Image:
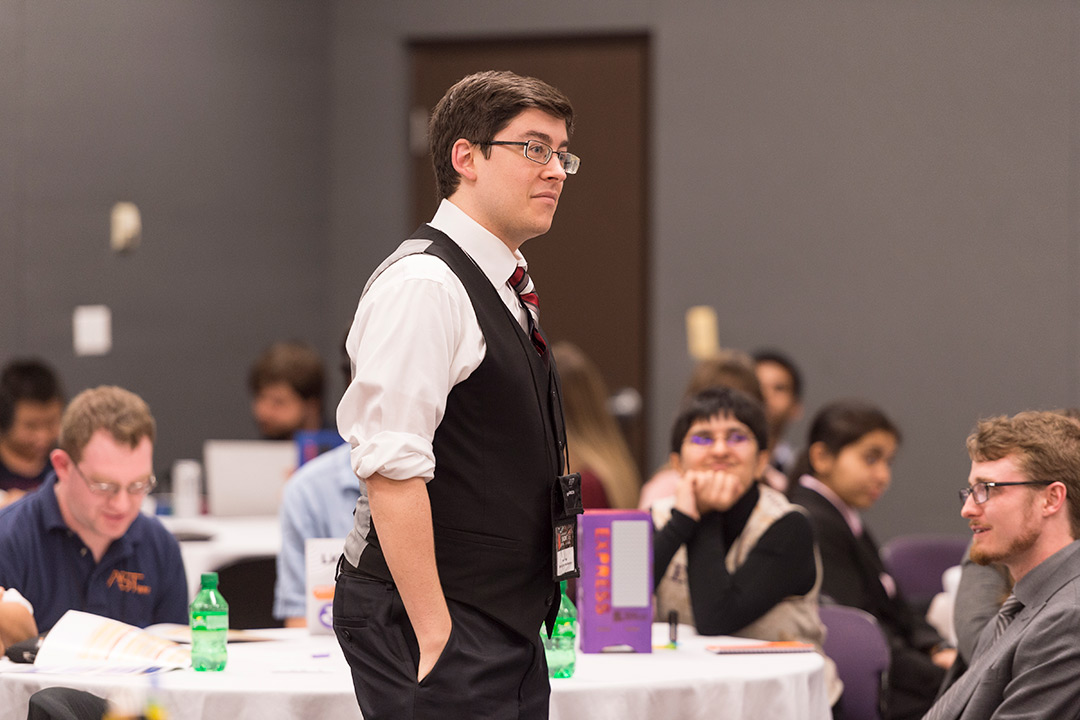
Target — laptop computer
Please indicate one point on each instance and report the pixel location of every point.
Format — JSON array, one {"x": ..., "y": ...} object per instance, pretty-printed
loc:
[{"x": 246, "y": 477}]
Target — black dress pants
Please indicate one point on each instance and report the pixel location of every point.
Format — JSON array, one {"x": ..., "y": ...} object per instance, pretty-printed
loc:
[{"x": 486, "y": 672}]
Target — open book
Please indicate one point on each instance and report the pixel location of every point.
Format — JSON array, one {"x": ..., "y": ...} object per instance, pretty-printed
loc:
[{"x": 82, "y": 642}]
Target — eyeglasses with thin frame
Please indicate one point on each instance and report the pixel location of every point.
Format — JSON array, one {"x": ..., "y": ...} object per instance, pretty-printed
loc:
[
  {"x": 138, "y": 488},
  {"x": 980, "y": 491},
  {"x": 541, "y": 153},
  {"x": 733, "y": 439}
]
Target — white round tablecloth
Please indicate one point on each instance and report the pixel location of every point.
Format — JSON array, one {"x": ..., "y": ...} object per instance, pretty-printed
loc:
[{"x": 299, "y": 677}]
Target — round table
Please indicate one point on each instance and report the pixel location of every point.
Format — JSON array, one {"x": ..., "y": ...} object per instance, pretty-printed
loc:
[{"x": 298, "y": 676}]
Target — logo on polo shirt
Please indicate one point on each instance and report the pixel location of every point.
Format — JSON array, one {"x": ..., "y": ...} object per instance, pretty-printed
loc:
[{"x": 127, "y": 581}]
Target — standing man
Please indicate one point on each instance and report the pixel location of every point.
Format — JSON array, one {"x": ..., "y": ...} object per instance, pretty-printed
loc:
[
  {"x": 1023, "y": 505},
  {"x": 454, "y": 420},
  {"x": 80, "y": 542}
]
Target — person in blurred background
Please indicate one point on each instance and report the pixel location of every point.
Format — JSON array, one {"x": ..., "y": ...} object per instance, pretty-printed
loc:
[
  {"x": 79, "y": 542},
  {"x": 845, "y": 469},
  {"x": 727, "y": 368},
  {"x": 318, "y": 501},
  {"x": 781, "y": 385},
  {"x": 286, "y": 384},
  {"x": 598, "y": 450},
  {"x": 731, "y": 555},
  {"x": 31, "y": 402}
]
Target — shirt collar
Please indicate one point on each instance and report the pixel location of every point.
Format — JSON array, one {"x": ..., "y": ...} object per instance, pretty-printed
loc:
[
  {"x": 1044, "y": 580},
  {"x": 50, "y": 506},
  {"x": 490, "y": 254},
  {"x": 851, "y": 517}
]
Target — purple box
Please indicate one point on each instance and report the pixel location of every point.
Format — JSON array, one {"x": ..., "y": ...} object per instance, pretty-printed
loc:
[{"x": 614, "y": 592}]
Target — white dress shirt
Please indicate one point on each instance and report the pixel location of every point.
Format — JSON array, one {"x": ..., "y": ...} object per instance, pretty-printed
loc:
[{"x": 415, "y": 335}]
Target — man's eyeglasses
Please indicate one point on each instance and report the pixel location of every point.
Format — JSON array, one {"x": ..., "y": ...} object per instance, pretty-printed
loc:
[
  {"x": 733, "y": 439},
  {"x": 980, "y": 491},
  {"x": 140, "y": 487},
  {"x": 540, "y": 153}
]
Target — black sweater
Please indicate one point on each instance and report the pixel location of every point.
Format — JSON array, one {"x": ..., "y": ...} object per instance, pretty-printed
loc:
[{"x": 780, "y": 565}]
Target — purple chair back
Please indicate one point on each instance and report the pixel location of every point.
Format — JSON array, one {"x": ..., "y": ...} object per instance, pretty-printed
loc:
[
  {"x": 916, "y": 563},
  {"x": 856, "y": 643}
]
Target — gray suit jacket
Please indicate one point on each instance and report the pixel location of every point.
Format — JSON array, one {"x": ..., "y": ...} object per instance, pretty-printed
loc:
[{"x": 1033, "y": 670}]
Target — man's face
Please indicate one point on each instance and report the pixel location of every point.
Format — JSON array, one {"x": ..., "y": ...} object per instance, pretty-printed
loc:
[
  {"x": 34, "y": 430},
  {"x": 515, "y": 197},
  {"x": 778, "y": 387},
  {"x": 98, "y": 518},
  {"x": 279, "y": 411},
  {"x": 721, "y": 444},
  {"x": 1006, "y": 527}
]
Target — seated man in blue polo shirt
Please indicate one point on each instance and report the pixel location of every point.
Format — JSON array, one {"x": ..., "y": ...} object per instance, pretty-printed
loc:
[
  {"x": 318, "y": 502},
  {"x": 80, "y": 542}
]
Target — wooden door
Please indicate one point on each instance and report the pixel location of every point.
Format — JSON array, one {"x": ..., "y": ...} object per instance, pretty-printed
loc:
[{"x": 590, "y": 268}]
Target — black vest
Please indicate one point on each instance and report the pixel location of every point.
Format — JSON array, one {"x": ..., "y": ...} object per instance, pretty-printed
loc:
[{"x": 497, "y": 454}]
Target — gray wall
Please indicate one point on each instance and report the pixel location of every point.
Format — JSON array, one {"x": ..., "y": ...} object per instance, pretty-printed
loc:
[
  {"x": 886, "y": 190},
  {"x": 213, "y": 118}
]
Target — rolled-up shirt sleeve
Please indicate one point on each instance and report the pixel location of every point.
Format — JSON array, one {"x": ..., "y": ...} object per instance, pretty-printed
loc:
[{"x": 413, "y": 338}]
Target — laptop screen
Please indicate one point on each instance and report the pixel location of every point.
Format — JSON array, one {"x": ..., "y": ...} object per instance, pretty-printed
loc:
[{"x": 246, "y": 477}]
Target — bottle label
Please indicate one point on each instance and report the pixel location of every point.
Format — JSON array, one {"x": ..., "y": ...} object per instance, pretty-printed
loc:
[{"x": 209, "y": 621}]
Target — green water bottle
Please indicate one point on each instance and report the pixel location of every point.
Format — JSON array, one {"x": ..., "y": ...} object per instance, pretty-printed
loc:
[
  {"x": 560, "y": 649},
  {"x": 209, "y": 626}
]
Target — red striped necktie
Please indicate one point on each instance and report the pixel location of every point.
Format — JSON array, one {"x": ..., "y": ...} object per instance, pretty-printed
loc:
[{"x": 523, "y": 286}]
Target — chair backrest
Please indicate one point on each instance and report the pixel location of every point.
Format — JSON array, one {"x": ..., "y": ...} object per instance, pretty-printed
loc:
[
  {"x": 917, "y": 562},
  {"x": 856, "y": 643},
  {"x": 248, "y": 587}
]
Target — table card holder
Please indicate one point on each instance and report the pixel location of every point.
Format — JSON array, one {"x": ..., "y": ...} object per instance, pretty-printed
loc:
[
  {"x": 320, "y": 564},
  {"x": 614, "y": 592}
]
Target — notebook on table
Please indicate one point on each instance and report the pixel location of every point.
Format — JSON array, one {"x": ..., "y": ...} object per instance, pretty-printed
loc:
[{"x": 246, "y": 477}]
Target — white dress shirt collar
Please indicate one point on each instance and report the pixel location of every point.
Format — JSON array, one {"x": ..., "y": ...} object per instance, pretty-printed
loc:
[{"x": 489, "y": 253}]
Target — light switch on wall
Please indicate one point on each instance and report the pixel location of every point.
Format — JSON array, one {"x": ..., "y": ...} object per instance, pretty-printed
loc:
[{"x": 92, "y": 330}]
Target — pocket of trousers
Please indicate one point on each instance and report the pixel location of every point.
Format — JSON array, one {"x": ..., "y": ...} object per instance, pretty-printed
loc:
[{"x": 445, "y": 658}]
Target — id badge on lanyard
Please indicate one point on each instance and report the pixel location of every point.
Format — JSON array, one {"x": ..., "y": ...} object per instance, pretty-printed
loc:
[{"x": 565, "y": 507}]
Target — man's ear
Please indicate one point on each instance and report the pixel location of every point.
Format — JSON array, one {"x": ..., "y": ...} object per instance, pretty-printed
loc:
[
  {"x": 1054, "y": 499},
  {"x": 463, "y": 157},
  {"x": 61, "y": 462}
]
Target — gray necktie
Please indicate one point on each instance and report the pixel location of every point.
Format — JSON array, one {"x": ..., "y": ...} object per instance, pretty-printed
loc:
[{"x": 1008, "y": 611}]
